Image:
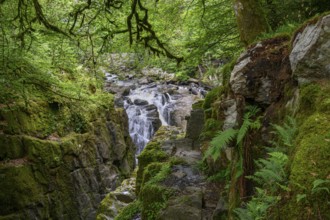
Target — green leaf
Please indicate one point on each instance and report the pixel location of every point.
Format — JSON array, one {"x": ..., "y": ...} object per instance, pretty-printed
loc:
[
  {"x": 219, "y": 142},
  {"x": 301, "y": 197}
]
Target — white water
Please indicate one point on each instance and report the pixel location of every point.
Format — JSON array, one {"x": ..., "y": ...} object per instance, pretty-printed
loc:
[
  {"x": 151, "y": 105},
  {"x": 142, "y": 117}
]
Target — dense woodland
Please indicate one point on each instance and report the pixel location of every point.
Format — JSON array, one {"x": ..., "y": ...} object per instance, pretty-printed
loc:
[{"x": 53, "y": 53}]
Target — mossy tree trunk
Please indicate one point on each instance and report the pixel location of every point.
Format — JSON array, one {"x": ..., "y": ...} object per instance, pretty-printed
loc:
[{"x": 251, "y": 20}]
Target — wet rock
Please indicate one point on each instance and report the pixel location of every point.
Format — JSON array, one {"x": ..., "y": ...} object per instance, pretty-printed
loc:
[
  {"x": 115, "y": 201},
  {"x": 140, "y": 102},
  {"x": 310, "y": 55},
  {"x": 185, "y": 207},
  {"x": 143, "y": 80}
]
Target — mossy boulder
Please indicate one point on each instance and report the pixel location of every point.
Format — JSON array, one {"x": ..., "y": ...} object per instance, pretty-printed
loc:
[
  {"x": 151, "y": 153},
  {"x": 310, "y": 159}
]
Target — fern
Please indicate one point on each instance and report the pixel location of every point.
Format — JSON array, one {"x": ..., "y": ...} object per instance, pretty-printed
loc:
[
  {"x": 317, "y": 188},
  {"x": 285, "y": 133},
  {"x": 271, "y": 176},
  {"x": 223, "y": 138},
  {"x": 218, "y": 143},
  {"x": 271, "y": 171},
  {"x": 257, "y": 207},
  {"x": 248, "y": 123}
]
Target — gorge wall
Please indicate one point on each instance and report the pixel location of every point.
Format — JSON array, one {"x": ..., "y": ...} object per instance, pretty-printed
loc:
[{"x": 58, "y": 161}]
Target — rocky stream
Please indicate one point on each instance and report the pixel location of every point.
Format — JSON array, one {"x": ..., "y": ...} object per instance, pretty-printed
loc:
[{"x": 162, "y": 110}]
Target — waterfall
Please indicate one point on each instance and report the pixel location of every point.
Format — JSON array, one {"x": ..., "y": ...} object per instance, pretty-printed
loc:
[
  {"x": 152, "y": 105},
  {"x": 146, "y": 108}
]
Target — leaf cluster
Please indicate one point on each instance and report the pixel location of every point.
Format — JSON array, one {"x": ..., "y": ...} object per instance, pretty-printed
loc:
[{"x": 224, "y": 138}]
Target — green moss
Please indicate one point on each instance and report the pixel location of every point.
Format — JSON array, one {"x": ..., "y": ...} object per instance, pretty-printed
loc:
[
  {"x": 309, "y": 94},
  {"x": 104, "y": 207},
  {"x": 310, "y": 157},
  {"x": 11, "y": 147},
  {"x": 211, "y": 126},
  {"x": 40, "y": 151},
  {"x": 310, "y": 162},
  {"x": 19, "y": 190},
  {"x": 150, "y": 171},
  {"x": 226, "y": 71},
  {"x": 156, "y": 172},
  {"x": 212, "y": 96},
  {"x": 198, "y": 105},
  {"x": 154, "y": 198},
  {"x": 129, "y": 211},
  {"x": 151, "y": 153}
]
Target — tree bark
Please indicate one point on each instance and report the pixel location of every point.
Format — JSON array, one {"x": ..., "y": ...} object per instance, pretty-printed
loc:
[{"x": 251, "y": 20}]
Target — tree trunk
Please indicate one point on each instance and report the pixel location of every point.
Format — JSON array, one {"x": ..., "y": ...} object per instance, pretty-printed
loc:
[{"x": 251, "y": 20}]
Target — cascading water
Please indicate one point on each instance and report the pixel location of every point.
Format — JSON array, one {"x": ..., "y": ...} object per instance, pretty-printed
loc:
[
  {"x": 153, "y": 105},
  {"x": 146, "y": 110}
]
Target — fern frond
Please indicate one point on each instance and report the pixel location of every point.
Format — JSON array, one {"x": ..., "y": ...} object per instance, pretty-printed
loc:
[
  {"x": 286, "y": 133},
  {"x": 219, "y": 142},
  {"x": 248, "y": 123},
  {"x": 244, "y": 128}
]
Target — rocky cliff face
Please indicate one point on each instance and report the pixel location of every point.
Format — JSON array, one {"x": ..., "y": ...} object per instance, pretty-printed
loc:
[{"x": 57, "y": 163}]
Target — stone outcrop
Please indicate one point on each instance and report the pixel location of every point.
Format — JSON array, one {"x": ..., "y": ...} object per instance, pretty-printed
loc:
[
  {"x": 310, "y": 53},
  {"x": 262, "y": 71},
  {"x": 116, "y": 200},
  {"x": 65, "y": 174}
]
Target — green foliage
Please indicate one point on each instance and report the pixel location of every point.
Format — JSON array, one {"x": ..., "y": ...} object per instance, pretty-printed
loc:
[
  {"x": 212, "y": 95},
  {"x": 220, "y": 142},
  {"x": 211, "y": 127},
  {"x": 285, "y": 134},
  {"x": 270, "y": 176},
  {"x": 257, "y": 208},
  {"x": 77, "y": 122},
  {"x": 271, "y": 171},
  {"x": 129, "y": 211},
  {"x": 280, "y": 12},
  {"x": 223, "y": 138},
  {"x": 182, "y": 76},
  {"x": 154, "y": 198},
  {"x": 222, "y": 175},
  {"x": 318, "y": 186},
  {"x": 251, "y": 111}
]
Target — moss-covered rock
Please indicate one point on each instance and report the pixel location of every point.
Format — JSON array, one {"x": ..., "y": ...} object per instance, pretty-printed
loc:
[
  {"x": 154, "y": 198},
  {"x": 310, "y": 159},
  {"x": 19, "y": 189},
  {"x": 59, "y": 160},
  {"x": 151, "y": 153},
  {"x": 11, "y": 147},
  {"x": 129, "y": 211}
]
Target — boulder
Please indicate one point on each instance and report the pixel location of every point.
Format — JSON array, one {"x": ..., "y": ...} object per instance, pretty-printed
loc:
[
  {"x": 310, "y": 55},
  {"x": 262, "y": 71},
  {"x": 115, "y": 201}
]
